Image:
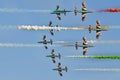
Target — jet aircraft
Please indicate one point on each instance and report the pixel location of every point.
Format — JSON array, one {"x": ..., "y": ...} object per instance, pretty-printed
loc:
[
  {"x": 53, "y": 56},
  {"x": 84, "y": 45},
  {"x": 51, "y": 30},
  {"x": 45, "y": 42},
  {"x": 98, "y": 29},
  {"x": 58, "y": 12},
  {"x": 60, "y": 69},
  {"x": 83, "y": 11}
]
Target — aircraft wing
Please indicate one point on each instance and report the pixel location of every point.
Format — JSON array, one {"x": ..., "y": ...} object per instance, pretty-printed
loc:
[
  {"x": 58, "y": 16},
  {"x": 50, "y": 23},
  {"x": 60, "y": 73},
  {"x": 97, "y": 34},
  {"x": 57, "y": 7},
  {"x": 83, "y": 16},
  {"x": 97, "y": 22},
  {"x": 53, "y": 59},
  {"x": 83, "y": 5},
  {"x": 84, "y": 50}
]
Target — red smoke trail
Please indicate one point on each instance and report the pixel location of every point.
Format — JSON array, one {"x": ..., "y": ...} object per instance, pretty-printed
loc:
[{"x": 110, "y": 10}]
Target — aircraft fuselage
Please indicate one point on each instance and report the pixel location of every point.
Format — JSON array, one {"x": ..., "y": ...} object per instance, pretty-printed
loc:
[{"x": 59, "y": 11}]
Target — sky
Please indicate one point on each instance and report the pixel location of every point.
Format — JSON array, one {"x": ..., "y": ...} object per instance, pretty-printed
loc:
[{"x": 30, "y": 63}]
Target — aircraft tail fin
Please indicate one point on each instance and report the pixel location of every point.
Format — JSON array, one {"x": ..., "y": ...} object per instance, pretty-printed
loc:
[
  {"x": 59, "y": 56},
  {"x": 90, "y": 28},
  {"x": 75, "y": 11}
]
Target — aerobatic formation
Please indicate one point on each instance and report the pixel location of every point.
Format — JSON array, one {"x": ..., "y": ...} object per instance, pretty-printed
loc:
[{"x": 84, "y": 44}]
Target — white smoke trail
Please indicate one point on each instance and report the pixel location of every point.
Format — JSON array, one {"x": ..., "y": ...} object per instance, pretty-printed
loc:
[
  {"x": 107, "y": 42},
  {"x": 22, "y": 45},
  {"x": 19, "y": 45},
  {"x": 24, "y": 27},
  {"x": 23, "y": 10},
  {"x": 55, "y": 43},
  {"x": 36, "y": 27},
  {"x": 115, "y": 27},
  {"x": 8, "y": 27},
  {"x": 100, "y": 69}
]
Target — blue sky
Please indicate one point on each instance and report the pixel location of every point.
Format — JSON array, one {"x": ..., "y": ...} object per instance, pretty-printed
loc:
[{"x": 30, "y": 63}]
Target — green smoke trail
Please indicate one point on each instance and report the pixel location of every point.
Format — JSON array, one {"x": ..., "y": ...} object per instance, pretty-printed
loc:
[{"x": 96, "y": 57}]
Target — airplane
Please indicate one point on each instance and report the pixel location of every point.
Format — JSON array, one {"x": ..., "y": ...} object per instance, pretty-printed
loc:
[
  {"x": 83, "y": 11},
  {"x": 60, "y": 69},
  {"x": 45, "y": 42},
  {"x": 53, "y": 56},
  {"x": 58, "y": 12},
  {"x": 84, "y": 45},
  {"x": 98, "y": 29},
  {"x": 51, "y": 30}
]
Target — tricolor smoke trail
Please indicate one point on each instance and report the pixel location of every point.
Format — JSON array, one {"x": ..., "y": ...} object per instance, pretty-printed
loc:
[
  {"x": 99, "y": 69},
  {"x": 110, "y": 10},
  {"x": 96, "y": 57},
  {"x": 7, "y": 10}
]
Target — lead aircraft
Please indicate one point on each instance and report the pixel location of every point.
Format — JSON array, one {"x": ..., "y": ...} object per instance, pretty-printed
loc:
[{"x": 83, "y": 11}]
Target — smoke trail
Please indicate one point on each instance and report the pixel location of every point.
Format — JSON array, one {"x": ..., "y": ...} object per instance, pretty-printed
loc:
[
  {"x": 35, "y": 27},
  {"x": 24, "y": 27},
  {"x": 55, "y": 43},
  {"x": 23, "y": 10},
  {"x": 95, "y": 57},
  {"x": 28, "y": 27},
  {"x": 8, "y": 27},
  {"x": 101, "y": 42},
  {"x": 99, "y": 69},
  {"x": 115, "y": 27},
  {"x": 110, "y": 10},
  {"x": 107, "y": 42},
  {"x": 19, "y": 45},
  {"x": 22, "y": 45}
]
